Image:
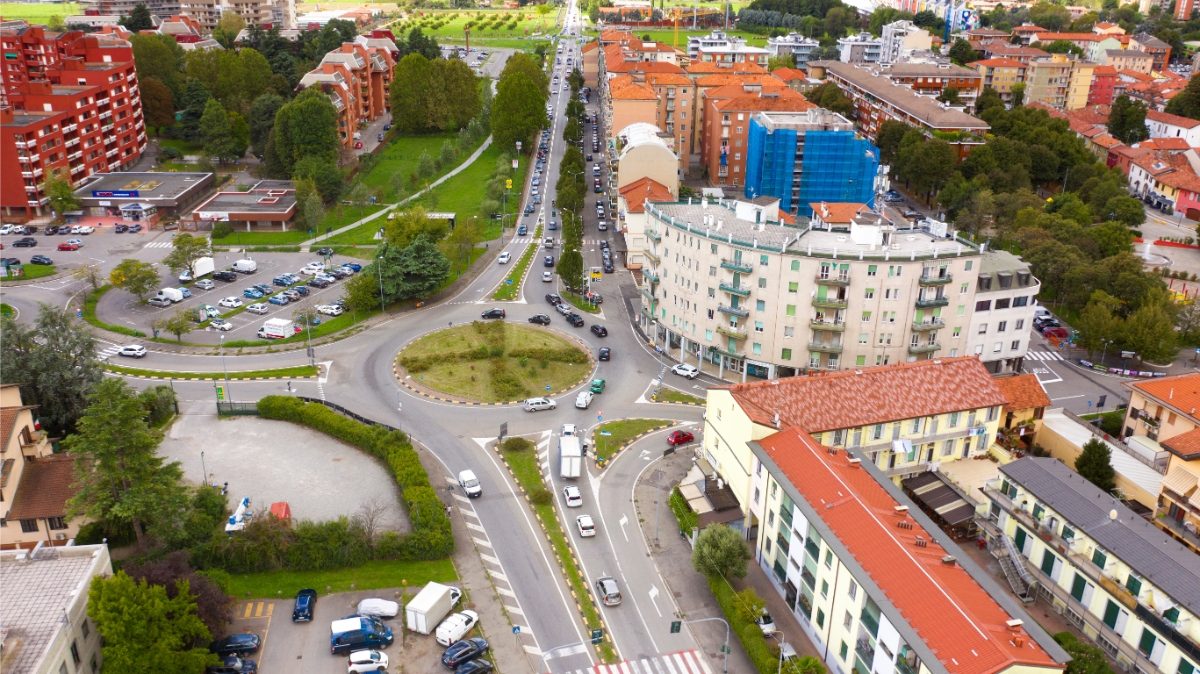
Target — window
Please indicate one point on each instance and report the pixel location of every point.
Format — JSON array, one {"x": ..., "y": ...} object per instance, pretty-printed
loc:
[
  {"x": 1016, "y": 345},
  {"x": 795, "y": 265},
  {"x": 85, "y": 628},
  {"x": 853, "y": 589},
  {"x": 789, "y": 309},
  {"x": 824, "y": 588},
  {"x": 29, "y": 526},
  {"x": 820, "y": 618},
  {"x": 843, "y": 651},
  {"x": 1002, "y": 303},
  {"x": 1186, "y": 667},
  {"x": 1020, "y": 324},
  {"x": 1020, "y": 301},
  {"x": 1147, "y": 642},
  {"x": 983, "y": 328},
  {"x": 712, "y": 271},
  {"x": 760, "y": 305},
  {"x": 757, "y": 349},
  {"x": 872, "y": 270},
  {"x": 789, "y": 331},
  {"x": 762, "y": 282},
  {"x": 1002, "y": 326},
  {"x": 786, "y": 354},
  {"x": 983, "y": 305},
  {"x": 1099, "y": 558},
  {"x": 860, "y": 361},
  {"x": 75, "y": 653},
  {"x": 869, "y": 294},
  {"x": 793, "y": 286},
  {"x": 763, "y": 259},
  {"x": 828, "y": 558},
  {"x": 997, "y": 347},
  {"x": 866, "y": 317},
  {"x": 970, "y": 263},
  {"x": 57, "y": 523},
  {"x": 758, "y": 326},
  {"x": 1133, "y": 584},
  {"x": 864, "y": 337}
]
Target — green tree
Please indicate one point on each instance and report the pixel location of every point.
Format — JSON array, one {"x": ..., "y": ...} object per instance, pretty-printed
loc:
[
  {"x": 805, "y": 664},
  {"x": 1085, "y": 658},
  {"x": 158, "y": 57},
  {"x": 402, "y": 230},
  {"x": 134, "y": 277},
  {"x": 186, "y": 249},
  {"x": 173, "y": 571},
  {"x": 988, "y": 98},
  {"x": 926, "y": 164},
  {"x": 830, "y": 97},
  {"x": 521, "y": 62},
  {"x": 1017, "y": 94},
  {"x": 139, "y": 19},
  {"x": 233, "y": 76},
  {"x": 1062, "y": 47},
  {"x": 949, "y": 96},
  {"x": 217, "y": 133},
  {"x": 962, "y": 53},
  {"x": 61, "y": 194},
  {"x": 461, "y": 240},
  {"x": 882, "y": 16},
  {"x": 145, "y": 630},
  {"x": 839, "y": 19},
  {"x": 311, "y": 208},
  {"x": 119, "y": 476},
  {"x": 888, "y": 140},
  {"x": 457, "y": 94},
  {"x": 158, "y": 105},
  {"x": 1094, "y": 464},
  {"x": 54, "y": 362},
  {"x": 324, "y": 173},
  {"x": 305, "y": 127},
  {"x": 228, "y": 26},
  {"x": 411, "y": 94},
  {"x": 1150, "y": 331},
  {"x": 261, "y": 119},
  {"x": 419, "y": 43},
  {"x": 518, "y": 110},
  {"x": 570, "y": 269},
  {"x": 1127, "y": 120},
  {"x": 422, "y": 268},
  {"x": 1187, "y": 102},
  {"x": 1049, "y": 15},
  {"x": 719, "y": 551},
  {"x": 179, "y": 323},
  {"x": 1098, "y": 324},
  {"x": 782, "y": 61}
]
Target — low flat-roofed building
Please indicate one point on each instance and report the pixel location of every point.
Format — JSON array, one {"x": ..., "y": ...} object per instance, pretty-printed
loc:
[
  {"x": 44, "y": 624},
  {"x": 1116, "y": 577},
  {"x": 143, "y": 197},
  {"x": 271, "y": 204}
]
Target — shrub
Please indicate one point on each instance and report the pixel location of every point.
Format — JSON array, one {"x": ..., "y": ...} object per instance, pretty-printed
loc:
[
  {"x": 540, "y": 496},
  {"x": 748, "y": 633},
  {"x": 221, "y": 230},
  {"x": 159, "y": 402},
  {"x": 515, "y": 444}
]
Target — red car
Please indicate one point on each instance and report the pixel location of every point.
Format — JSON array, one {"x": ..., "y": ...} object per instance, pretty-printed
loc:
[
  {"x": 67, "y": 246},
  {"x": 677, "y": 438}
]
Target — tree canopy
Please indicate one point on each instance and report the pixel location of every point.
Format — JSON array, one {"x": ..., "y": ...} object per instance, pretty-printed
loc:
[
  {"x": 433, "y": 95},
  {"x": 305, "y": 127},
  {"x": 720, "y": 551},
  {"x": 54, "y": 361},
  {"x": 145, "y": 630}
]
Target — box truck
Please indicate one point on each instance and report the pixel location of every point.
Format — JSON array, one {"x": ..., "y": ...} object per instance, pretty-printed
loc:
[
  {"x": 170, "y": 294},
  {"x": 430, "y": 606},
  {"x": 245, "y": 266},
  {"x": 277, "y": 328},
  {"x": 570, "y": 454},
  {"x": 203, "y": 266}
]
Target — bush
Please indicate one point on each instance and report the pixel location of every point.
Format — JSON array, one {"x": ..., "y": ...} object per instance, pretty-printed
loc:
[
  {"x": 118, "y": 535},
  {"x": 540, "y": 496},
  {"x": 748, "y": 633},
  {"x": 159, "y": 402},
  {"x": 221, "y": 230},
  {"x": 515, "y": 444}
]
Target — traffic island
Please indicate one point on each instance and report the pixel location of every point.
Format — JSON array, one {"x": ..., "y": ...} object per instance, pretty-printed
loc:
[
  {"x": 492, "y": 363},
  {"x": 613, "y": 436}
]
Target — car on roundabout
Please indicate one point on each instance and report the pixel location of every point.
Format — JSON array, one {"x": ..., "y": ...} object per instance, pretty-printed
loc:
[
  {"x": 494, "y": 313},
  {"x": 677, "y": 438},
  {"x": 538, "y": 404},
  {"x": 686, "y": 371},
  {"x": 539, "y": 319}
]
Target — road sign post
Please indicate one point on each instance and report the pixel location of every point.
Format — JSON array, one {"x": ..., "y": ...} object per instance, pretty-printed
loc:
[{"x": 597, "y": 636}]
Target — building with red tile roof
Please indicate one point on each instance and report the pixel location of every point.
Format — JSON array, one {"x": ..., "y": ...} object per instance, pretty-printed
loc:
[
  {"x": 1104, "y": 82},
  {"x": 1001, "y": 75},
  {"x": 1025, "y": 402},
  {"x": 1005, "y": 50},
  {"x": 358, "y": 79},
  {"x": 726, "y": 120},
  {"x": 906, "y": 591},
  {"x": 1166, "y": 125},
  {"x": 712, "y": 67},
  {"x": 631, "y": 207},
  {"x": 1167, "y": 411}
]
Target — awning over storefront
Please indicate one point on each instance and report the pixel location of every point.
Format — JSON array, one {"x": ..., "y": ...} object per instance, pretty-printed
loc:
[
  {"x": 933, "y": 492},
  {"x": 1180, "y": 481}
]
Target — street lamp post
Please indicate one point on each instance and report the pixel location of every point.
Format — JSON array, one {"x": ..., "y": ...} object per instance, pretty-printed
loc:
[
  {"x": 1104, "y": 351},
  {"x": 203, "y": 468},
  {"x": 379, "y": 270},
  {"x": 228, "y": 395}
]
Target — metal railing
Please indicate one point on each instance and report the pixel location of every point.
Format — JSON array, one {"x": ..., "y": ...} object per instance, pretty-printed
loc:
[{"x": 1159, "y": 463}]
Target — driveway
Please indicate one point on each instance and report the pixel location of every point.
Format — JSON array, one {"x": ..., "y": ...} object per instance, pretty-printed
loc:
[{"x": 269, "y": 461}]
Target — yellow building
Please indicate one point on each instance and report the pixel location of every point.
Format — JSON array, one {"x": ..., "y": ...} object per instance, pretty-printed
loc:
[
  {"x": 1025, "y": 402},
  {"x": 1059, "y": 81},
  {"x": 906, "y": 419}
]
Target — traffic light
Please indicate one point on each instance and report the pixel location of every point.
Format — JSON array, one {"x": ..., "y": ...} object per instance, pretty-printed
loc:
[{"x": 676, "y": 625}]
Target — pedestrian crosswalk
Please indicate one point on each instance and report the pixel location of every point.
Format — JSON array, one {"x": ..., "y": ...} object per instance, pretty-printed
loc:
[
  {"x": 1044, "y": 355},
  {"x": 109, "y": 352},
  {"x": 158, "y": 244},
  {"x": 682, "y": 662}
]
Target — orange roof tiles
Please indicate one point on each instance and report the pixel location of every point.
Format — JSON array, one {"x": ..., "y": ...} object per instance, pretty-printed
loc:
[
  {"x": 45, "y": 488},
  {"x": 626, "y": 89},
  {"x": 1028, "y": 28},
  {"x": 852, "y": 398},
  {"x": 589, "y": 47},
  {"x": 1185, "y": 445},
  {"x": 638, "y": 192},
  {"x": 789, "y": 74},
  {"x": 1181, "y": 391},
  {"x": 726, "y": 79},
  {"x": 1073, "y": 37},
  {"x": 711, "y": 67},
  {"x": 1022, "y": 392},
  {"x": 668, "y": 79},
  {"x": 631, "y": 66},
  {"x": 8, "y": 423},
  {"x": 1174, "y": 120},
  {"x": 952, "y": 614},
  {"x": 778, "y": 100},
  {"x": 1103, "y": 71},
  {"x": 837, "y": 213}
]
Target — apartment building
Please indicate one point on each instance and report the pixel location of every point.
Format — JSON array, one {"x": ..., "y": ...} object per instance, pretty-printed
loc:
[
  {"x": 664, "y": 100},
  {"x": 859, "y": 48},
  {"x": 1005, "y": 297},
  {"x": 1001, "y": 75},
  {"x": 71, "y": 104},
  {"x": 875, "y": 584},
  {"x": 1004, "y": 50},
  {"x": 1166, "y": 125},
  {"x": 1166, "y": 168},
  {"x": 37, "y": 482},
  {"x": 809, "y": 157},
  {"x": 357, "y": 78},
  {"x": 1104, "y": 82},
  {"x": 158, "y": 8},
  {"x": 797, "y": 45},
  {"x": 726, "y": 120},
  {"x": 1121, "y": 581},
  {"x": 729, "y": 284},
  {"x": 1164, "y": 411},
  {"x": 264, "y": 13},
  {"x": 644, "y": 151},
  {"x": 933, "y": 77},
  {"x": 1059, "y": 81},
  {"x": 717, "y": 47},
  {"x": 1128, "y": 59},
  {"x": 629, "y": 100},
  {"x": 46, "y": 625},
  {"x": 899, "y": 39},
  {"x": 877, "y": 99},
  {"x": 631, "y": 216}
]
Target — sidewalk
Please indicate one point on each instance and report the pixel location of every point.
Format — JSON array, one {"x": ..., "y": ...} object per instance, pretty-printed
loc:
[{"x": 306, "y": 245}]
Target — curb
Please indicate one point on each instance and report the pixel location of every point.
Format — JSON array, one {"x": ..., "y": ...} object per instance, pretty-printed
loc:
[
  {"x": 609, "y": 459},
  {"x": 221, "y": 378},
  {"x": 574, "y": 558}
]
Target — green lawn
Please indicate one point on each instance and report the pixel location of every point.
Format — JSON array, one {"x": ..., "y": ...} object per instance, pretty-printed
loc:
[
  {"x": 667, "y": 36},
  {"x": 524, "y": 464},
  {"x": 621, "y": 433},
  {"x": 182, "y": 146},
  {"x": 328, "y": 325},
  {"x": 580, "y": 303},
  {"x": 299, "y": 371},
  {"x": 669, "y": 395},
  {"x": 36, "y": 271},
  {"x": 400, "y": 156},
  {"x": 38, "y": 12},
  {"x": 463, "y": 193},
  {"x": 336, "y": 217},
  {"x": 512, "y": 286},
  {"x": 7, "y": 310},
  {"x": 513, "y": 24},
  {"x": 369, "y": 576},
  {"x": 476, "y": 378}
]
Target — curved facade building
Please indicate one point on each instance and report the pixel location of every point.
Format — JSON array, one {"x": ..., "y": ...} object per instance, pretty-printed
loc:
[{"x": 645, "y": 153}]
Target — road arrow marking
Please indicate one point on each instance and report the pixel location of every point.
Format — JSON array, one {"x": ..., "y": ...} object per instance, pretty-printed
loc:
[
  {"x": 623, "y": 521},
  {"x": 323, "y": 371},
  {"x": 654, "y": 598}
]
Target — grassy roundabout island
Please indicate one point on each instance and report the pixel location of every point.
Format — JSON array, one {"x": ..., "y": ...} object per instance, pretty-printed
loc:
[{"x": 495, "y": 361}]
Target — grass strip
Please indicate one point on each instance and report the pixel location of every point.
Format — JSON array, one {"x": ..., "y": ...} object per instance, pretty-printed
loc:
[
  {"x": 89, "y": 314},
  {"x": 30, "y": 272},
  {"x": 665, "y": 394},
  {"x": 621, "y": 433},
  {"x": 511, "y": 288},
  {"x": 7, "y": 310},
  {"x": 580, "y": 303},
  {"x": 296, "y": 372},
  {"x": 327, "y": 326},
  {"x": 524, "y": 465},
  {"x": 373, "y": 575}
]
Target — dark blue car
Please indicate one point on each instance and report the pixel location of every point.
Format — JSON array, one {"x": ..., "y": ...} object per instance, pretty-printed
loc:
[
  {"x": 302, "y": 609},
  {"x": 462, "y": 651},
  {"x": 236, "y": 644}
]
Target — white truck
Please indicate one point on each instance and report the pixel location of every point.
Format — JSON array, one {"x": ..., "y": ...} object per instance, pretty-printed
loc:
[
  {"x": 277, "y": 328},
  {"x": 570, "y": 454},
  {"x": 245, "y": 266},
  {"x": 430, "y": 606},
  {"x": 203, "y": 266},
  {"x": 172, "y": 295}
]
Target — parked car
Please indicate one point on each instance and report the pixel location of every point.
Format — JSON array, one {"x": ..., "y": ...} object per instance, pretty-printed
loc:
[
  {"x": 278, "y": 300},
  {"x": 330, "y": 310},
  {"x": 226, "y": 276},
  {"x": 132, "y": 351},
  {"x": 686, "y": 371},
  {"x": 537, "y": 404},
  {"x": 367, "y": 661},
  {"x": 455, "y": 627},
  {"x": 539, "y": 319},
  {"x": 220, "y": 324},
  {"x": 677, "y": 438},
  {"x": 204, "y": 284},
  {"x": 462, "y": 651},
  {"x": 765, "y": 623},
  {"x": 26, "y": 242},
  {"x": 40, "y": 259},
  {"x": 258, "y": 308},
  {"x": 230, "y": 303},
  {"x": 236, "y": 644},
  {"x": 494, "y": 313},
  {"x": 133, "y": 229},
  {"x": 302, "y": 606},
  {"x": 252, "y": 293},
  {"x": 120, "y": 228},
  {"x": 379, "y": 608},
  {"x": 477, "y": 666},
  {"x": 67, "y": 246},
  {"x": 232, "y": 664}
]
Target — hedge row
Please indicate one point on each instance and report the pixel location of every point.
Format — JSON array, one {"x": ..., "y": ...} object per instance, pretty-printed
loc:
[
  {"x": 563, "y": 355},
  {"x": 747, "y": 632},
  {"x": 430, "y": 537},
  {"x": 505, "y": 384}
]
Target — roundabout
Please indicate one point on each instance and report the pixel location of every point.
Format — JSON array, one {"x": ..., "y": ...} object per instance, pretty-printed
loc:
[{"x": 492, "y": 363}]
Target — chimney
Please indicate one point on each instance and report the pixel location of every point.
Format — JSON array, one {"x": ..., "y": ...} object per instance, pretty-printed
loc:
[{"x": 776, "y": 422}]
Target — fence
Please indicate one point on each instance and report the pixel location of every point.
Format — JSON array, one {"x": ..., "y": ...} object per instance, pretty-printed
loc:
[
  {"x": 342, "y": 410},
  {"x": 226, "y": 408}
]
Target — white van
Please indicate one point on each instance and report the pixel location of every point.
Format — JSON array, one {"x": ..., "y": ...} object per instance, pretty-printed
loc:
[{"x": 455, "y": 627}]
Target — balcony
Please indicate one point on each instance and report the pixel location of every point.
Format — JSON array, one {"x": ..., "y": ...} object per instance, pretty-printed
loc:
[
  {"x": 923, "y": 348},
  {"x": 932, "y": 302},
  {"x": 734, "y": 290},
  {"x": 653, "y": 235},
  {"x": 735, "y": 331},
  {"x": 935, "y": 324},
  {"x": 829, "y": 303},
  {"x": 68, "y": 128},
  {"x": 935, "y": 280},
  {"x": 75, "y": 155},
  {"x": 652, "y": 257},
  {"x": 111, "y": 152},
  {"x": 825, "y": 347},
  {"x": 27, "y": 158},
  {"x": 106, "y": 128},
  {"x": 739, "y": 267},
  {"x": 732, "y": 311},
  {"x": 26, "y": 144},
  {"x": 77, "y": 168},
  {"x": 833, "y": 326},
  {"x": 827, "y": 280},
  {"x": 650, "y": 276}
]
